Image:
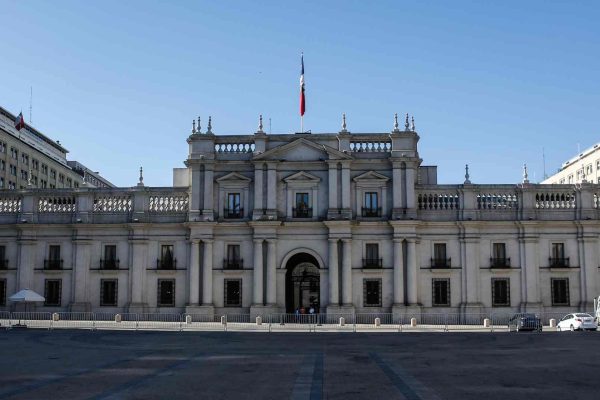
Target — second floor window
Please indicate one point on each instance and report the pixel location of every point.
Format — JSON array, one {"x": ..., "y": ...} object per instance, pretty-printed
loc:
[
  {"x": 234, "y": 206},
  {"x": 167, "y": 260},
  {"x": 558, "y": 256},
  {"x": 372, "y": 256},
  {"x": 3, "y": 260},
  {"x": 302, "y": 209},
  {"x": 439, "y": 259},
  {"x": 371, "y": 205},
  {"x": 234, "y": 260},
  {"x": 110, "y": 257},
  {"x": 499, "y": 259},
  {"x": 54, "y": 261}
]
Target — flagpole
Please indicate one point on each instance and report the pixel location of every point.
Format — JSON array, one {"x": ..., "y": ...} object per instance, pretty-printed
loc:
[{"x": 301, "y": 124}]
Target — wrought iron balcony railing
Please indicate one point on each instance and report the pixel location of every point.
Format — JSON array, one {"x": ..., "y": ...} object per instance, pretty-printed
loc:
[
  {"x": 53, "y": 264},
  {"x": 500, "y": 262},
  {"x": 302, "y": 212},
  {"x": 233, "y": 213},
  {"x": 372, "y": 262},
  {"x": 559, "y": 262},
  {"x": 233, "y": 264},
  {"x": 109, "y": 264},
  {"x": 168, "y": 263},
  {"x": 371, "y": 212},
  {"x": 440, "y": 263}
]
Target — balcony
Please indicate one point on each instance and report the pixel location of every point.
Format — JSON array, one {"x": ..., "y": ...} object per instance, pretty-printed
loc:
[
  {"x": 233, "y": 213},
  {"x": 371, "y": 212},
  {"x": 233, "y": 264},
  {"x": 499, "y": 262},
  {"x": 559, "y": 262},
  {"x": 109, "y": 264},
  {"x": 440, "y": 263},
  {"x": 53, "y": 264},
  {"x": 3, "y": 264},
  {"x": 166, "y": 264},
  {"x": 302, "y": 212},
  {"x": 372, "y": 263}
]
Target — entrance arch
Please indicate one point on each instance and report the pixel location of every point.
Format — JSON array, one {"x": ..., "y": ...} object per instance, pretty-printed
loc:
[{"x": 302, "y": 283}]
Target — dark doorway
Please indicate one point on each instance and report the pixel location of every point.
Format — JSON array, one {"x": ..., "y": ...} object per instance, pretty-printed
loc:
[{"x": 302, "y": 283}]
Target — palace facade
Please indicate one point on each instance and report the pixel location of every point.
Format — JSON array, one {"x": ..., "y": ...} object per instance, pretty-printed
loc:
[{"x": 265, "y": 223}]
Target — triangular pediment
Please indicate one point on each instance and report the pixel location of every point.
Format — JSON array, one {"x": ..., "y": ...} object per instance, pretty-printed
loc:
[
  {"x": 371, "y": 176},
  {"x": 303, "y": 150},
  {"x": 233, "y": 177},
  {"x": 302, "y": 177}
]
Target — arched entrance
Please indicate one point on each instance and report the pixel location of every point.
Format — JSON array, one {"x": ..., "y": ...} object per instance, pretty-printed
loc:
[{"x": 302, "y": 283}]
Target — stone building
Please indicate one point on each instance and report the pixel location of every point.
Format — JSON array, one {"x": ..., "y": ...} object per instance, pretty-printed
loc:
[
  {"x": 344, "y": 222},
  {"x": 584, "y": 167}
]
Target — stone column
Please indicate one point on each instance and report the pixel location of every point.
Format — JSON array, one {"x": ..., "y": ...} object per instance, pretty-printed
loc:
[
  {"x": 207, "y": 268},
  {"x": 471, "y": 272},
  {"x": 333, "y": 197},
  {"x": 398, "y": 272},
  {"x": 345, "y": 186},
  {"x": 81, "y": 302},
  {"x": 396, "y": 186},
  {"x": 194, "y": 273},
  {"x": 410, "y": 188},
  {"x": 272, "y": 272},
  {"x": 25, "y": 264},
  {"x": 347, "y": 273},
  {"x": 588, "y": 272},
  {"x": 137, "y": 276},
  {"x": 258, "y": 190},
  {"x": 257, "y": 283},
  {"x": 272, "y": 187},
  {"x": 334, "y": 294},
  {"x": 411, "y": 273},
  {"x": 208, "y": 208}
]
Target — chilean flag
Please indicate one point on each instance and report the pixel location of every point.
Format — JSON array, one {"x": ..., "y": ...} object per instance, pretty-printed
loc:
[
  {"x": 302, "y": 98},
  {"x": 20, "y": 122}
]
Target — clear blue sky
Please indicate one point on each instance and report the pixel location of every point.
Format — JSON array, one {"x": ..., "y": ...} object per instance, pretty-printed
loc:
[{"x": 489, "y": 83}]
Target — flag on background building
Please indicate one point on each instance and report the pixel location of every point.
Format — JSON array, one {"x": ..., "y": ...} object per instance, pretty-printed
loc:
[
  {"x": 20, "y": 122},
  {"x": 302, "y": 99}
]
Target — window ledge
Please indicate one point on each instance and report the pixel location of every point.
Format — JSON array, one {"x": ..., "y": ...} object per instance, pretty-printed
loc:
[
  {"x": 233, "y": 271},
  {"x": 166, "y": 271},
  {"x": 52, "y": 271}
]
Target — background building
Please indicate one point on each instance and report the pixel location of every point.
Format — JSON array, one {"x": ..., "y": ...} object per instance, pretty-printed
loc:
[
  {"x": 28, "y": 158},
  {"x": 585, "y": 167}
]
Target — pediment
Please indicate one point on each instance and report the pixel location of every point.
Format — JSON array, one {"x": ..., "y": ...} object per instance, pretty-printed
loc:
[
  {"x": 303, "y": 150},
  {"x": 371, "y": 176},
  {"x": 302, "y": 177},
  {"x": 233, "y": 177}
]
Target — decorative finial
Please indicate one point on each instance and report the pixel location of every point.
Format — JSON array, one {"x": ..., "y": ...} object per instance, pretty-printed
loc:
[
  {"x": 344, "y": 123},
  {"x": 193, "y": 126},
  {"x": 525, "y": 175},
  {"x": 412, "y": 120},
  {"x": 199, "y": 129},
  {"x": 209, "y": 127},
  {"x": 406, "y": 123},
  {"x": 467, "y": 180},
  {"x": 260, "y": 124},
  {"x": 396, "y": 122},
  {"x": 141, "y": 182}
]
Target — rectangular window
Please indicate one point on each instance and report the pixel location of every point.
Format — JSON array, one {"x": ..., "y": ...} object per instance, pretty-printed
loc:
[
  {"x": 372, "y": 256},
  {"x": 1, "y": 182},
  {"x": 233, "y": 260},
  {"x": 558, "y": 259},
  {"x": 110, "y": 257},
  {"x": 52, "y": 292},
  {"x": 108, "y": 292},
  {"x": 560, "y": 291},
  {"x": 441, "y": 292},
  {"x": 3, "y": 260},
  {"x": 500, "y": 292},
  {"x": 439, "y": 256},
  {"x": 372, "y": 292},
  {"x": 499, "y": 259},
  {"x": 371, "y": 205},
  {"x": 302, "y": 209},
  {"x": 2, "y": 292},
  {"x": 233, "y": 292},
  {"x": 2, "y": 165},
  {"x": 167, "y": 259},
  {"x": 166, "y": 293},
  {"x": 54, "y": 261},
  {"x": 234, "y": 206}
]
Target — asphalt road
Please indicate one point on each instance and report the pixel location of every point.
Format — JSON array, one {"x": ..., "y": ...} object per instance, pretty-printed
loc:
[{"x": 76, "y": 364}]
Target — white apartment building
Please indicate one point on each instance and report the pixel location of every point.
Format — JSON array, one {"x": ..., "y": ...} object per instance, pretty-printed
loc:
[
  {"x": 585, "y": 167},
  {"x": 264, "y": 223}
]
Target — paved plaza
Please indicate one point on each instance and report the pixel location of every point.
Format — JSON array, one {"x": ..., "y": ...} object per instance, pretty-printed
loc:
[{"x": 78, "y": 364}]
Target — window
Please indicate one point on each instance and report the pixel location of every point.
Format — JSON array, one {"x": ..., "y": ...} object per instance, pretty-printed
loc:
[
  {"x": 61, "y": 178},
  {"x": 2, "y": 147},
  {"x": 167, "y": 261},
  {"x": 52, "y": 174},
  {"x": 588, "y": 169},
  {"x": 570, "y": 178},
  {"x": 372, "y": 259},
  {"x": 35, "y": 164},
  {"x": 1, "y": 182},
  {"x": 108, "y": 292},
  {"x": 372, "y": 292},
  {"x": 3, "y": 260},
  {"x": 52, "y": 292},
  {"x": 500, "y": 292},
  {"x": 234, "y": 208},
  {"x": 441, "y": 292},
  {"x": 439, "y": 259},
  {"x": 2, "y": 165},
  {"x": 233, "y": 292},
  {"x": 110, "y": 257},
  {"x": 23, "y": 174},
  {"x": 14, "y": 153},
  {"x": 53, "y": 261},
  {"x": 44, "y": 169},
  {"x": 2, "y": 292},
  {"x": 499, "y": 259},
  {"x": 233, "y": 260},
  {"x": 24, "y": 158},
  {"x": 13, "y": 170},
  {"x": 562, "y": 181},
  {"x": 166, "y": 293},
  {"x": 558, "y": 259},
  {"x": 560, "y": 291},
  {"x": 302, "y": 209},
  {"x": 12, "y": 185},
  {"x": 371, "y": 205},
  {"x": 43, "y": 184}
]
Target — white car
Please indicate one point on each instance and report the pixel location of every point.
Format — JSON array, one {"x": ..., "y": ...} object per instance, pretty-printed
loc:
[{"x": 576, "y": 322}]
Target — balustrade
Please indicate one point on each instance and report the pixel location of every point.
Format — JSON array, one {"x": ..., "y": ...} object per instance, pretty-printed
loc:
[
  {"x": 234, "y": 147},
  {"x": 168, "y": 203},
  {"x": 56, "y": 204},
  {"x": 371, "y": 146},
  {"x": 10, "y": 204},
  {"x": 438, "y": 201},
  {"x": 112, "y": 203},
  {"x": 497, "y": 201},
  {"x": 555, "y": 200}
]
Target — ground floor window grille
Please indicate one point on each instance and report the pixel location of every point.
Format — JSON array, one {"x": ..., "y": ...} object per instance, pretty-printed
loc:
[
  {"x": 560, "y": 291},
  {"x": 441, "y": 292},
  {"x": 52, "y": 292},
  {"x": 2, "y": 292},
  {"x": 166, "y": 293},
  {"x": 233, "y": 292},
  {"x": 500, "y": 292},
  {"x": 108, "y": 292},
  {"x": 372, "y": 293}
]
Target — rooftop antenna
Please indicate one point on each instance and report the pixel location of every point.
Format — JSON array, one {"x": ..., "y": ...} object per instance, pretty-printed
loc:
[
  {"x": 269, "y": 125},
  {"x": 30, "y": 103}
]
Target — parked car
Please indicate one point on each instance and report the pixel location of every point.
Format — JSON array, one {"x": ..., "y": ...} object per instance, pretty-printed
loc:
[
  {"x": 524, "y": 322},
  {"x": 577, "y": 322}
]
